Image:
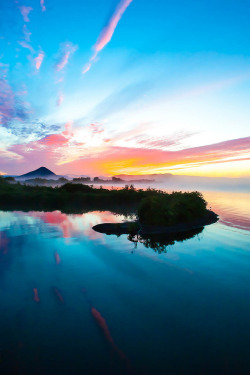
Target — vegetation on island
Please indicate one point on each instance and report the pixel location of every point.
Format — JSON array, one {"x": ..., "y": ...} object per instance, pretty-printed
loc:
[{"x": 169, "y": 209}]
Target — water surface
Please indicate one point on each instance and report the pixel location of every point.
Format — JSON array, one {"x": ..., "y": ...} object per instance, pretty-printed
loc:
[{"x": 74, "y": 301}]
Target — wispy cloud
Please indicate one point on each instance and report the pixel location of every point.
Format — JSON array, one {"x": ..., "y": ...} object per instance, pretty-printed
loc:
[
  {"x": 108, "y": 31},
  {"x": 26, "y": 45},
  {"x": 160, "y": 142},
  {"x": 13, "y": 108},
  {"x": 96, "y": 128},
  {"x": 39, "y": 60},
  {"x": 5, "y": 154},
  {"x": 60, "y": 99},
  {"x": 26, "y": 33},
  {"x": 128, "y": 160},
  {"x": 42, "y": 5},
  {"x": 66, "y": 50},
  {"x": 6, "y": 102},
  {"x": 25, "y": 11}
]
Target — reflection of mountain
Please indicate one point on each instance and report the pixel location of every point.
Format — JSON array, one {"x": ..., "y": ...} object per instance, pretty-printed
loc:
[
  {"x": 159, "y": 243},
  {"x": 38, "y": 173}
]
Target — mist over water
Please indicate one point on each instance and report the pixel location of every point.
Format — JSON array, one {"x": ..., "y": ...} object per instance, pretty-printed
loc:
[{"x": 77, "y": 301}]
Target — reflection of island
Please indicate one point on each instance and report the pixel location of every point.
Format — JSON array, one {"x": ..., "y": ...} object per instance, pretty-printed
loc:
[{"x": 159, "y": 243}]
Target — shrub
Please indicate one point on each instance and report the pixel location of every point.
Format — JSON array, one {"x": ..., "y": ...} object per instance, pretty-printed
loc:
[{"x": 169, "y": 209}]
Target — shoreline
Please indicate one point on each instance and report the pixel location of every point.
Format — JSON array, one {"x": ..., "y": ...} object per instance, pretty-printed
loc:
[{"x": 133, "y": 227}]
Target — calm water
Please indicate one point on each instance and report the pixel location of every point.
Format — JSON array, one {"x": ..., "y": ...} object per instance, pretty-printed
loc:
[{"x": 74, "y": 301}]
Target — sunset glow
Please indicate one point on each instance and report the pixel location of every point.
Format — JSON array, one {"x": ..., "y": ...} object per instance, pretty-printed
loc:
[{"x": 125, "y": 87}]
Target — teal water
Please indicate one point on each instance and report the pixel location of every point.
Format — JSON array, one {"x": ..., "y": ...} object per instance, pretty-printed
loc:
[{"x": 74, "y": 301}]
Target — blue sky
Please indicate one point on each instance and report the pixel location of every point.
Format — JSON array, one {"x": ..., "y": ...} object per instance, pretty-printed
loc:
[{"x": 84, "y": 82}]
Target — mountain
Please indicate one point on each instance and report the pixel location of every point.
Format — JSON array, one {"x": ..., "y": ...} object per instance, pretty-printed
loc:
[{"x": 41, "y": 172}]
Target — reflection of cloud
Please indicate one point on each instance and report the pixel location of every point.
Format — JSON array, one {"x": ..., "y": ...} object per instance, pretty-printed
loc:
[
  {"x": 105, "y": 331},
  {"x": 76, "y": 225},
  {"x": 107, "y": 32}
]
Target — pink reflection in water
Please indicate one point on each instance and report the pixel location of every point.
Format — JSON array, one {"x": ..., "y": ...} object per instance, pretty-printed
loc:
[
  {"x": 58, "y": 295},
  {"x": 77, "y": 224},
  {"x": 36, "y": 298},
  {"x": 4, "y": 243},
  {"x": 101, "y": 322},
  {"x": 57, "y": 258},
  {"x": 231, "y": 207}
]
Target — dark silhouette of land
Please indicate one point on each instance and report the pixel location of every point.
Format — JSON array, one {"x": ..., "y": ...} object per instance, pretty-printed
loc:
[
  {"x": 45, "y": 177},
  {"x": 41, "y": 172}
]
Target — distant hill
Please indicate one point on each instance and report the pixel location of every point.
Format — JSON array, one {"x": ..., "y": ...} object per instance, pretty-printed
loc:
[
  {"x": 137, "y": 177},
  {"x": 41, "y": 172}
]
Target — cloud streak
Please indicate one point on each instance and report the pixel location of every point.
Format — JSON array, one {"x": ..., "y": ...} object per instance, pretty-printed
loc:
[
  {"x": 108, "y": 31},
  {"x": 60, "y": 99},
  {"x": 67, "y": 49},
  {"x": 39, "y": 60},
  {"x": 26, "y": 33},
  {"x": 25, "y": 11},
  {"x": 26, "y": 45},
  {"x": 42, "y": 5}
]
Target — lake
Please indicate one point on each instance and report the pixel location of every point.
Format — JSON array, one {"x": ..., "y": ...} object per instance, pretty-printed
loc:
[{"x": 74, "y": 301}]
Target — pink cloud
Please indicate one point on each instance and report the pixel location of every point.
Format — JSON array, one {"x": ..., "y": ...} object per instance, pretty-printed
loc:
[
  {"x": 115, "y": 160},
  {"x": 107, "y": 32},
  {"x": 96, "y": 128},
  {"x": 55, "y": 140},
  {"x": 26, "y": 33},
  {"x": 144, "y": 160},
  {"x": 67, "y": 49},
  {"x": 26, "y": 45},
  {"x": 25, "y": 12},
  {"x": 68, "y": 130},
  {"x": 42, "y": 5},
  {"x": 60, "y": 100},
  {"x": 162, "y": 142},
  {"x": 39, "y": 60}
]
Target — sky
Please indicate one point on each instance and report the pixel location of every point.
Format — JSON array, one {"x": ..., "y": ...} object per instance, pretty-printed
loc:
[{"x": 91, "y": 87}]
